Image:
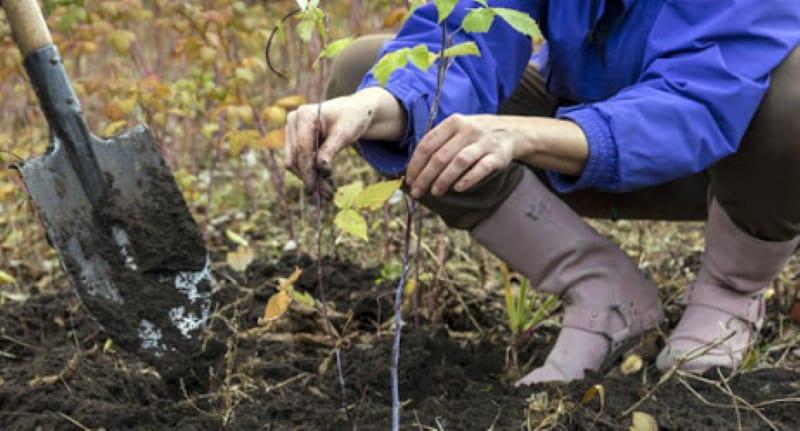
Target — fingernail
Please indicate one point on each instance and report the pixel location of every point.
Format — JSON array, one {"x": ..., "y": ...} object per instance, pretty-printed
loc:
[
  {"x": 416, "y": 193},
  {"x": 459, "y": 187}
]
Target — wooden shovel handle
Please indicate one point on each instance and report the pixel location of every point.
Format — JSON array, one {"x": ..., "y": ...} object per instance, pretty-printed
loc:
[{"x": 27, "y": 25}]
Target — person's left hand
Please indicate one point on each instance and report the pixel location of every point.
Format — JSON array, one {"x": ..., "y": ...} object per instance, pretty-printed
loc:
[{"x": 462, "y": 150}]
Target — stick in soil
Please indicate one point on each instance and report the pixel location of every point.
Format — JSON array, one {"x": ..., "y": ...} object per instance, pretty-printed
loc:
[
  {"x": 398, "y": 294},
  {"x": 398, "y": 318},
  {"x": 319, "y": 177}
]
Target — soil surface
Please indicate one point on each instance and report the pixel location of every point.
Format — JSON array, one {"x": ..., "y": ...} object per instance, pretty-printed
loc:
[{"x": 59, "y": 372}]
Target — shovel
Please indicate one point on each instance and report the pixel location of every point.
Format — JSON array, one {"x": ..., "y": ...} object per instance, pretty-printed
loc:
[{"x": 114, "y": 215}]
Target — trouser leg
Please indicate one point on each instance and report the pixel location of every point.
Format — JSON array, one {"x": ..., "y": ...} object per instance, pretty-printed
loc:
[{"x": 759, "y": 186}]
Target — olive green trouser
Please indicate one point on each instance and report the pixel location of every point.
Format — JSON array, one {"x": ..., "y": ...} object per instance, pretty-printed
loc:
[{"x": 758, "y": 186}]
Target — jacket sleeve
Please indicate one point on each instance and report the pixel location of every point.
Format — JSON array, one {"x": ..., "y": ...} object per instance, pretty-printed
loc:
[
  {"x": 473, "y": 85},
  {"x": 705, "y": 72}
]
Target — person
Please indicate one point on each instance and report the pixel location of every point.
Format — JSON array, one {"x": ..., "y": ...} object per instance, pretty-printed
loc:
[{"x": 639, "y": 109}]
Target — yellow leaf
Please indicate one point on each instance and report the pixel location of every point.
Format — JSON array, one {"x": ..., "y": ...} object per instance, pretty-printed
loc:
[
  {"x": 6, "y": 278},
  {"x": 395, "y": 17},
  {"x": 288, "y": 283},
  {"x": 240, "y": 139},
  {"x": 291, "y": 102},
  {"x": 351, "y": 222},
  {"x": 275, "y": 116},
  {"x": 277, "y": 305},
  {"x": 346, "y": 195},
  {"x": 121, "y": 40},
  {"x": 235, "y": 237},
  {"x": 112, "y": 128},
  {"x": 411, "y": 286},
  {"x": 643, "y": 422},
  {"x": 595, "y": 391},
  {"x": 375, "y": 195},
  {"x": 274, "y": 140},
  {"x": 631, "y": 364},
  {"x": 240, "y": 259}
]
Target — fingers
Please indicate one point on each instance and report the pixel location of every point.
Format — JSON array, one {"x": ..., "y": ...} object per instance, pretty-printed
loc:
[
  {"x": 429, "y": 145},
  {"x": 437, "y": 163},
  {"x": 463, "y": 161},
  {"x": 482, "y": 169},
  {"x": 338, "y": 139}
]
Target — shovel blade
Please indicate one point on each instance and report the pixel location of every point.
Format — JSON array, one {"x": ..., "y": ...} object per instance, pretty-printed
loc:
[{"x": 137, "y": 262}]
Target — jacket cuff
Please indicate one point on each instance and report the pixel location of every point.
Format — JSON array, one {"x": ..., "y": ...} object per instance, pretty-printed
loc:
[
  {"x": 600, "y": 170},
  {"x": 391, "y": 158}
]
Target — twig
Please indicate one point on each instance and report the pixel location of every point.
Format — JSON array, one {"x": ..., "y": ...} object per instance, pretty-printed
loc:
[
  {"x": 74, "y": 422},
  {"x": 398, "y": 317},
  {"x": 268, "y": 49},
  {"x": 694, "y": 354},
  {"x": 741, "y": 400}
]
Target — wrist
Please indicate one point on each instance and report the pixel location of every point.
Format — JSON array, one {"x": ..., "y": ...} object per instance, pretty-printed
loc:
[{"x": 387, "y": 118}]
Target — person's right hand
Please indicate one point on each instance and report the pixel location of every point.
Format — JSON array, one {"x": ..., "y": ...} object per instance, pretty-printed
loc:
[{"x": 372, "y": 113}]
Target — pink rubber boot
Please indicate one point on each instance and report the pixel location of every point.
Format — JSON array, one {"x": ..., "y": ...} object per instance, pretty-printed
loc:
[
  {"x": 726, "y": 297},
  {"x": 609, "y": 302}
]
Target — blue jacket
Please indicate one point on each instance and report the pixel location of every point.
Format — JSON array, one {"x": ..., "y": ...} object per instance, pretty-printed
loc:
[{"x": 667, "y": 91}]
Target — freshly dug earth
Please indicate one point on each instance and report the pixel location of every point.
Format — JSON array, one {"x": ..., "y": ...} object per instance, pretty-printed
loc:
[{"x": 59, "y": 372}]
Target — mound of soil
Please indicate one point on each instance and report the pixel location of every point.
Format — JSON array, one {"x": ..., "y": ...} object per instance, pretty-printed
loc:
[{"x": 59, "y": 373}]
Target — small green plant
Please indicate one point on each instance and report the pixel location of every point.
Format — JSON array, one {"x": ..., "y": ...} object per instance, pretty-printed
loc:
[
  {"x": 520, "y": 300},
  {"x": 352, "y": 198}
]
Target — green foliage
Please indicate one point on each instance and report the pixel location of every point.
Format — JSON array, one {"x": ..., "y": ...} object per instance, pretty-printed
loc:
[
  {"x": 478, "y": 20},
  {"x": 520, "y": 21},
  {"x": 420, "y": 56},
  {"x": 353, "y": 197},
  {"x": 462, "y": 49},
  {"x": 334, "y": 48},
  {"x": 519, "y": 300},
  {"x": 445, "y": 8}
]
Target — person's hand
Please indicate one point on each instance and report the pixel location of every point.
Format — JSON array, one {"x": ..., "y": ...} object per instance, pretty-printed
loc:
[
  {"x": 461, "y": 151},
  {"x": 372, "y": 114}
]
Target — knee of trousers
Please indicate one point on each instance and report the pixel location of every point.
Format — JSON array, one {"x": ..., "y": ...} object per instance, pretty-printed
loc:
[
  {"x": 759, "y": 186},
  {"x": 465, "y": 210},
  {"x": 350, "y": 66}
]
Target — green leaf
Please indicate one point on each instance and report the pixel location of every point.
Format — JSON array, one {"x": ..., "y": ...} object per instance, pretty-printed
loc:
[
  {"x": 303, "y": 297},
  {"x": 421, "y": 57},
  {"x": 346, "y": 195},
  {"x": 351, "y": 222},
  {"x": 388, "y": 64},
  {"x": 334, "y": 48},
  {"x": 445, "y": 8},
  {"x": 305, "y": 29},
  {"x": 375, "y": 195},
  {"x": 478, "y": 20},
  {"x": 520, "y": 21},
  {"x": 465, "y": 48}
]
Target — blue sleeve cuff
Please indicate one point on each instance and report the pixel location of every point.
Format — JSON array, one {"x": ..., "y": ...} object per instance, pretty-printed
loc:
[
  {"x": 601, "y": 167},
  {"x": 391, "y": 158}
]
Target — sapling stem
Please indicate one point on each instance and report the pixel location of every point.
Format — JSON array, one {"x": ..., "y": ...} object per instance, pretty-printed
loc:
[
  {"x": 398, "y": 316},
  {"x": 410, "y": 203},
  {"x": 318, "y": 177}
]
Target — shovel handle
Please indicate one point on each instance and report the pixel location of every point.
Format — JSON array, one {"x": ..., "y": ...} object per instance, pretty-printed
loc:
[{"x": 27, "y": 25}]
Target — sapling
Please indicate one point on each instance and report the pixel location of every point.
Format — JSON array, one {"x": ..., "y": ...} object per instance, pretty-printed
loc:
[{"x": 477, "y": 20}]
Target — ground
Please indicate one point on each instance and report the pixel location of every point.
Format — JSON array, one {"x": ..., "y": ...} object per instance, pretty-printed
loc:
[
  {"x": 59, "y": 372},
  {"x": 195, "y": 72}
]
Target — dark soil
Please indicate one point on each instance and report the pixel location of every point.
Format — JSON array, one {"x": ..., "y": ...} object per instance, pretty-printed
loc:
[{"x": 58, "y": 371}]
